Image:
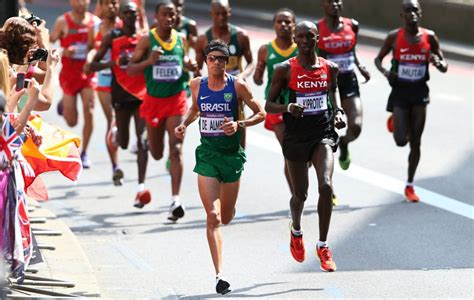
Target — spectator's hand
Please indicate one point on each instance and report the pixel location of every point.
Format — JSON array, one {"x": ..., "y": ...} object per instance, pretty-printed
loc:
[
  {"x": 33, "y": 89},
  {"x": 35, "y": 137},
  {"x": 53, "y": 58},
  {"x": 42, "y": 35}
]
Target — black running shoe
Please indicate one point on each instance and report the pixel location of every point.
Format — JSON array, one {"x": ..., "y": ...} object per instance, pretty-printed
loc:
[
  {"x": 222, "y": 286},
  {"x": 176, "y": 211}
]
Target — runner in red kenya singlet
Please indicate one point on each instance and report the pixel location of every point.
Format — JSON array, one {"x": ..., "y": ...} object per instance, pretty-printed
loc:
[
  {"x": 413, "y": 48},
  {"x": 310, "y": 118}
]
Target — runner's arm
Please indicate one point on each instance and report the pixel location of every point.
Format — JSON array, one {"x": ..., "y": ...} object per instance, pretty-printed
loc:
[
  {"x": 106, "y": 43},
  {"x": 386, "y": 48},
  {"x": 142, "y": 19},
  {"x": 437, "y": 57},
  {"x": 362, "y": 68},
  {"x": 334, "y": 98},
  {"x": 245, "y": 94},
  {"x": 189, "y": 63},
  {"x": 193, "y": 33},
  {"x": 261, "y": 65},
  {"x": 279, "y": 82},
  {"x": 244, "y": 42},
  {"x": 58, "y": 29},
  {"x": 139, "y": 62},
  {"x": 200, "y": 45},
  {"x": 193, "y": 112},
  {"x": 90, "y": 44}
]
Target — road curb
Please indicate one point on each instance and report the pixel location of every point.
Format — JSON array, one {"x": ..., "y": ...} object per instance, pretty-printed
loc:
[{"x": 67, "y": 262}]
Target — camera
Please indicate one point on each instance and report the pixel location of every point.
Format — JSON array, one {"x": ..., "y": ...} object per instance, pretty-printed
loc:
[
  {"x": 33, "y": 20},
  {"x": 39, "y": 54}
]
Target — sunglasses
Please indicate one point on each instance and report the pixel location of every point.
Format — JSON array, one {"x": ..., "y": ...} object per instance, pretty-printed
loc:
[{"x": 221, "y": 59}]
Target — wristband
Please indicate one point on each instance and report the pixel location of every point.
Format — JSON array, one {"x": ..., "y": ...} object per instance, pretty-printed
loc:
[
  {"x": 288, "y": 108},
  {"x": 340, "y": 110}
]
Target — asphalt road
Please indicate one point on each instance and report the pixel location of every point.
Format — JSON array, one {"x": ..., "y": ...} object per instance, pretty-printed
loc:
[{"x": 384, "y": 247}]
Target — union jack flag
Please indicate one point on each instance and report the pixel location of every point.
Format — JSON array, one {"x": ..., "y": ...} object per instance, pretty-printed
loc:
[{"x": 10, "y": 140}]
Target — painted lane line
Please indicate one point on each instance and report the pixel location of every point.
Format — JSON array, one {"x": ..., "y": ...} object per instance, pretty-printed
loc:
[
  {"x": 375, "y": 178},
  {"x": 133, "y": 258}
]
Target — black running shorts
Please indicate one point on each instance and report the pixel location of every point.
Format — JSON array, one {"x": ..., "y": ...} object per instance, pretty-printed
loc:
[
  {"x": 121, "y": 99},
  {"x": 407, "y": 97},
  {"x": 348, "y": 85},
  {"x": 301, "y": 147}
]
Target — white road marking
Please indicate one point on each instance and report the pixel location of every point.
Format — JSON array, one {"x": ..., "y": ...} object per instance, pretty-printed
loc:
[{"x": 375, "y": 178}]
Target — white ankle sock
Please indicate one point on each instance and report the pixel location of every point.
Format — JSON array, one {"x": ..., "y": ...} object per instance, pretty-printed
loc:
[
  {"x": 141, "y": 187},
  {"x": 175, "y": 199},
  {"x": 296, "y": 232},
  {"x": 322, "y": 244}
]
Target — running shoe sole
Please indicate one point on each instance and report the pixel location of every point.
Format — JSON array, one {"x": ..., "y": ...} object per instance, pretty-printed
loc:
[{"x": 139, "y": 205}]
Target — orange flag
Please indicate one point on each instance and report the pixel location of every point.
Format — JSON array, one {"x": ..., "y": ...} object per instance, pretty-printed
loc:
[{"x": 58, "y": 151}]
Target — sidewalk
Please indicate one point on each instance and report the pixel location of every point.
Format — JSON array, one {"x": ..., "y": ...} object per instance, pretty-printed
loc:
[
  {"x": 67, "y": 262},
  {"x": 372, "y": 36}
]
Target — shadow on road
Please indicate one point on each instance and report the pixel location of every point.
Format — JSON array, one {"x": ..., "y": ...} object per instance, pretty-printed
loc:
[{"x": 240, "y": 293}]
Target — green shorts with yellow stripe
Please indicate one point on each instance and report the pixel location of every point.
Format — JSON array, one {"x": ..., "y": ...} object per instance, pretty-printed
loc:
[{"x": 226, "y": 167}]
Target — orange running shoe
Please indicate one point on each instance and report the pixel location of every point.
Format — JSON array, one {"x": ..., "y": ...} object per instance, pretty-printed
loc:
[
  {"x": 297, "y": 247},
  {"x": 390, "y": 123},
  {"x": 410, "y": 194},
  {"x": 325, "y": 256},
  {"x": 142, "y": 199}
]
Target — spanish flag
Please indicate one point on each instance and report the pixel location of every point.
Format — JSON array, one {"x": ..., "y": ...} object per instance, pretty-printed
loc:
[{"x": 59, "y": 151}]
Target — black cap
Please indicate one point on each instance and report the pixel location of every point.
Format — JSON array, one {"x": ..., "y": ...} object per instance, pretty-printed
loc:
[{"x": 217, "y": 46}]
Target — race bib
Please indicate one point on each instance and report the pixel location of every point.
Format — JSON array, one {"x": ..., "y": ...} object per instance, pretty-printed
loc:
[
  {"x": 345, "y": 62},
  {"x": 80, "y": 52},
  {"x": 210, "y": 124},
  {"x": 411, "y": 72},
  {"x": 167, "y": 71},
  {"x": 313, "y": 103}
]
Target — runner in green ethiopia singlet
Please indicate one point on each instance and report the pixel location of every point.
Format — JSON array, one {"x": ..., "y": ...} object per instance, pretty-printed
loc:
[
  {"x": 275, "y": 55},
  {"x": 234, "y": 66},
  {"x": 166, "y": 77}
]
